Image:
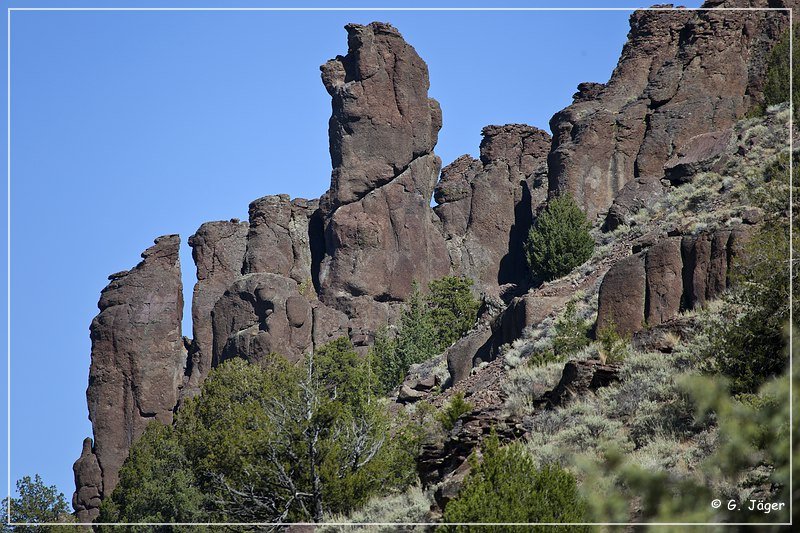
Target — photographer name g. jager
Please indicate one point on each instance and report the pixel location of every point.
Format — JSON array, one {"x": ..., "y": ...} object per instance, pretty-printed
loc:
[{"x": 764, "y": 507}]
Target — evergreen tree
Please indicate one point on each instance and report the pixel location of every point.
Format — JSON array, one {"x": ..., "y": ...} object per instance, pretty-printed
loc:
[
  {"x": 559, "y": 240},
  {"x": 267, "y": 442},
  {"x": 37, "y": 503},
  {"x": 776, "y": 85},
  {"x": 453, "y": 308},
  {"x": 506, "y": 486}
]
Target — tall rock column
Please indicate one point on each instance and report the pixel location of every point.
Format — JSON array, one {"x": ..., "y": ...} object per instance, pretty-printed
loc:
[
  {"x": 381, "y": 234},
  {"x": 138, "y": 361}
]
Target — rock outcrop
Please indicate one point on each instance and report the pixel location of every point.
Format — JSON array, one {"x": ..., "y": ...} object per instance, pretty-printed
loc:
[
  {"x": 676, "y": 274},
  {"x": 440, "y": 461},
  {"x": 681, "y": 74},
  {"x": 89, "y": 485},
  {"x": 281, "y": 237},
  {"x": 380, "y": 232},
  {"x": 382, "y": 117},
  {"x": 218, "y": 250},
  {"x": 578, "y": 379},
  {"x": 301, "y": 273},
  {"x": 486, "y": 206},
  {"x": 138, "y": 361}
]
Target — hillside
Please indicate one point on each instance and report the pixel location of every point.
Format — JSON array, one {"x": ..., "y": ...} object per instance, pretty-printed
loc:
[{"x": 600, "y": 309}]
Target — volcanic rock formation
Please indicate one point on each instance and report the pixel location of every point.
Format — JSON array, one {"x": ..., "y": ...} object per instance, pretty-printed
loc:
[
  {"x": 380, "y": 233},
  {"x": 681, "y": 73},
  {"x": 486, "y": 206},
  {"x": 138, "y": 361},
  {"x": 301, "y": 272},
  {"x": 676, "y": 274}
]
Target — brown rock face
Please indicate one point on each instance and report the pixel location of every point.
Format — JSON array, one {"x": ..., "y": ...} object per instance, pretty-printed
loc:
[
  {"x": 138, "y": 357},
  {"x": 380, "y": 232},
  {"x": 622, "y": 296},
  {"x": 486, "y": 206},
  {"x": 438, "y": 461},
  {"x": 664, "y": 269},
  {"x": 525, "y": 311},
  {"x": 461, "y": 356},
  {"x": 89, "y": 485},
  {"x": 580, "y": 378},
  {"x": 675, "y": 274},
  {"x": 635, "y": 195},
  {"x": 261, "y": 314},
  {"x": 279, "y": 238},
  {"x": 382, "y": 117},
  {"x": 218, "y": 250},
  {"x": 378, "y": 246},
  {"x": 681, "y": 74}
]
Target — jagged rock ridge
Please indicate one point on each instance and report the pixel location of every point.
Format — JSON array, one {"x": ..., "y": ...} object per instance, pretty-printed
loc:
[{"x": 302, "y": 272}]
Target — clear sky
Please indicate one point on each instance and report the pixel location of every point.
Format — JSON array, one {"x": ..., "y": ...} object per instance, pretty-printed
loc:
[{"x": 129, "y": 125}]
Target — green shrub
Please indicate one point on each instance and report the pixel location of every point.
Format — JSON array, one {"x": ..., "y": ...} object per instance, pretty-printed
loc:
[
  {"x": 746, "y": 342},
  {"x": 270, "y": 442},
  {"x": 156, "y": 483},
  {"x": 507, "y": 487},
  {"x": 559, "y": 240},
  {"x": 387, "y": 367},
  {"x": 571, "y": 332},
  {"x": 457, "y": 407},
  {"x": 37, "y": 503},
  {"x": 613, "y": 347},
  {"x": 453, "y": 308},
  {"x": 776, "y": 85},
  {"x": 428, "y": 325}
]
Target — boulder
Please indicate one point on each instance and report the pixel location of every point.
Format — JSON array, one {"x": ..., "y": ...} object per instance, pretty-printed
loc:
[
  {"x": 697, "y": 155},
  {"x": 580, "y": 378},
  {"x": 525, "y": 311},
  {"x": 462, "y": 355}
]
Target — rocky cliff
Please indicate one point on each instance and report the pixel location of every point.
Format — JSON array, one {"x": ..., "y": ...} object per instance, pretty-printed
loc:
[
  {"x": 680, "y": 74},
  {"x": 302, "y": 272}
]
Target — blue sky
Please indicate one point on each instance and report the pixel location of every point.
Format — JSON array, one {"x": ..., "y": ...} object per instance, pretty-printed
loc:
[{"x": 129, "y": 125}]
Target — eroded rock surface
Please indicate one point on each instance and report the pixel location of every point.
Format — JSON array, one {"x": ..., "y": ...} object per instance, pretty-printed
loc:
[
  {"x": 279, "y": 239},
  {"x": 439, "y": 461},
  {"x": 486, "y": 206},
  {"x": 138, "y": 357},
  {"x": 218, "y": 250},
  {"x": 380, "y": 232},
  {"x": 382, "y": 117},
  {"x": 89, "y": 484},
  {"x": 675, "y": 274},
  {"x": 262, "y": 314},
  {"x": 681, "y": 74}
]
